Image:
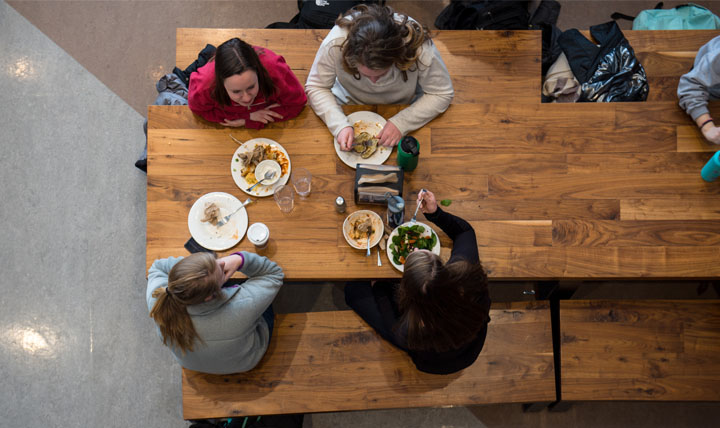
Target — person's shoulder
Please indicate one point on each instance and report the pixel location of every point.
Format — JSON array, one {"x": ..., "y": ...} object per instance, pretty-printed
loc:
[
  {"x": 714, "y": 43},
  {"x": 266, "y": 54},
  {"x": 428, "y": 54},
  {"x": 203, "y": 77},
  {"x": 171, "y": 261},
  {"x": 268, "y": 58},
  {"x": 336, "y": 36}
]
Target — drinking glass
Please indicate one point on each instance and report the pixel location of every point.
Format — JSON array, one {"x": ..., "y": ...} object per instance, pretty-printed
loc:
[
  {"x": 301, "y": 179},
  {"x": 284, "y": 196}
]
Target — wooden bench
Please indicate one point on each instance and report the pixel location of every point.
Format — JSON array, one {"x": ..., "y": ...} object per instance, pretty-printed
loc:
[
  {"x": 640, "y": 350},
  {"x": 333, "y": 361}
]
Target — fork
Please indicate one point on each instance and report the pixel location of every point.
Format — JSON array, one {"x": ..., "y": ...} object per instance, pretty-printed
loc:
[
  {"x": 368, "y": 244},
  {"x": 225, "y": 219},
  {"x": 414, "y": 217},
  {"x": 268, "y": 175}
]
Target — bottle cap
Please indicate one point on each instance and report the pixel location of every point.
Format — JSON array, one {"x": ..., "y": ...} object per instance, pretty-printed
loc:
[
  {"x": 410, "y": 145},
  {"x": 396, "y": 204}
]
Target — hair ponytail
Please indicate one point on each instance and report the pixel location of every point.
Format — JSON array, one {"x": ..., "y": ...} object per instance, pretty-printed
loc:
[{"x": 191, "y": 281}]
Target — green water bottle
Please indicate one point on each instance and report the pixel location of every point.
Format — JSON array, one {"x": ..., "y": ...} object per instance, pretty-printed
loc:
[{"x": 408, "y": 153}]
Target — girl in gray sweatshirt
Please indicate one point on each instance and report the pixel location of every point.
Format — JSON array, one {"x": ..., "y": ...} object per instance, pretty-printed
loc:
[{"x": 208, "y": 328}]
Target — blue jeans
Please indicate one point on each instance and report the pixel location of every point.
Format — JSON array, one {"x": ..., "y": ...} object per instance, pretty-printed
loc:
[{"x": 269, "y": 316}]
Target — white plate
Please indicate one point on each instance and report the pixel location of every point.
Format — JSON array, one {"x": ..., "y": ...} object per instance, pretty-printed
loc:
[
  {"x": 375, "y": 124},
  {"x": 428, "y": 231},
  {"x": 379, "y": 229},
  {"x": 213, "y": 237},
  {"x": 236, "y": 167}
]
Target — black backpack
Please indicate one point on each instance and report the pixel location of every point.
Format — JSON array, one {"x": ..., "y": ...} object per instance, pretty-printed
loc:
[
  {"x": 316, "y": 14},
  {"x": 484, "y": 15},
  {"x": 272, "y": 421}
]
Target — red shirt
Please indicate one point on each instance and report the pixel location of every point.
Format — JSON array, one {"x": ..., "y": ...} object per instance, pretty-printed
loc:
[{"x": 289, "y": 93}]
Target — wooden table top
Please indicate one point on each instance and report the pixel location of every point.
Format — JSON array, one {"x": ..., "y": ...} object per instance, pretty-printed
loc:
[{"x": 554, "y": 191}]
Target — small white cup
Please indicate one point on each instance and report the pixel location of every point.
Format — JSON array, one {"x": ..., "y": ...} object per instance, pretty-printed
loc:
[{"x": 258, "y": 234}]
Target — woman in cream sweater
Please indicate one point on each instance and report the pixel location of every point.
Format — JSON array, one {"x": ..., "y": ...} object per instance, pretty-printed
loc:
[{"x": 376, "y": 56}]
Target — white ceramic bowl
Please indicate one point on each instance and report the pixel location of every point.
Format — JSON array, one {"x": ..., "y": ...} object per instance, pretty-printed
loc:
[
  {"x": 378, "y": 229},
  {"x": 265, "y": 166}
]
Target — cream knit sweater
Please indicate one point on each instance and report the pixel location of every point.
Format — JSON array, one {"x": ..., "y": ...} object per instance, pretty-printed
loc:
[{"x": 428, "y": 87}]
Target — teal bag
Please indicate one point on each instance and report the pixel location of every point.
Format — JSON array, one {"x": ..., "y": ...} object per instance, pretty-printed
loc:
[{"x": 683, "y": 17}]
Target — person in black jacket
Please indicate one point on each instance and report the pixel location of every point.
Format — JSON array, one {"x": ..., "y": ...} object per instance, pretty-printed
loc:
[{"x": 438, "y": 313}]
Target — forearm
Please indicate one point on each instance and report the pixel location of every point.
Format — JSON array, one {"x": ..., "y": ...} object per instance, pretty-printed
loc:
[
  {"x": 318, "y": 88},
  {"x": 288, "y": 111},
  {"x": 323, "y": 103},
  {"x": 422, "y": 111},
  {"x": 704, "y": 120},
  {"x": 256, "y": 266},
  {"x": 451, "y": 224},
  {"x": 437, "y": 94},
  {"x": 460, "y": 231},
  {"x": 693, "y": 95},
  {"x": 265, "y": 278}
]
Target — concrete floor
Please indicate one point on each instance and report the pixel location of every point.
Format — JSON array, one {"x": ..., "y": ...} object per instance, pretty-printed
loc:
[{"x": 77, "y": 348}]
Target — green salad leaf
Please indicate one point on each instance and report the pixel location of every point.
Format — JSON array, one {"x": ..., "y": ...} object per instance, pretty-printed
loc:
[
  {"x": 407, "y": 239},
  {"x": 446, "y": 202}
]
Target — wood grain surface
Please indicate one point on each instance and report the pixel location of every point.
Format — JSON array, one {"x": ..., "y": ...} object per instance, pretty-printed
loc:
[
  {"x": 640, "y": 350},
  {"x": 554, "y": 191},
  {"x": 330, "y": 361}
]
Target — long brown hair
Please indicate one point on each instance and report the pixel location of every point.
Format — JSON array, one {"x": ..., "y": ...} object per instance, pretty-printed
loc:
[
  {"x": 236, "y": 57},
  {"x": 377, "y": 41},
  {"x": 443, "y": 306},
  {"x": 191, "y": 281}
]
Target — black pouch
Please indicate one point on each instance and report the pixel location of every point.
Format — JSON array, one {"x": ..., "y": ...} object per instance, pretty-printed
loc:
[{"x": 484, "y": 15}]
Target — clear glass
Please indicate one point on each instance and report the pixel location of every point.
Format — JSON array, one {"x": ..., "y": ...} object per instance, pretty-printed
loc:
[
  {"x": 302, "y": 181},
  {"x": 285, "y": 197}
]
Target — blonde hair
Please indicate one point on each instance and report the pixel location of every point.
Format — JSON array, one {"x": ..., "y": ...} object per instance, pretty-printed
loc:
[
  {"x": 191, "y": 281},
  {"x": 377, "y": 41}
]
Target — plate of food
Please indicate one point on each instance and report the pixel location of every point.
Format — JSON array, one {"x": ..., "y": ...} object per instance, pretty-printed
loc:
[
  {"x": 247, "y": 157},
  {"x": 205, "y": 214},
  {"x": 366, "y": 148},
  {"x": 406, "y": 238},
  {"x": 359, "y": 224}
]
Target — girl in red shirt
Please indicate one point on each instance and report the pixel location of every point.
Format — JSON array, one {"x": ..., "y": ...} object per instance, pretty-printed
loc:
[{"x": 245, "y": 86}]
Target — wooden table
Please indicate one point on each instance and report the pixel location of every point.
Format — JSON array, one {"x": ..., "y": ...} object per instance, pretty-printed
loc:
[{"x": 554, "y": 191}]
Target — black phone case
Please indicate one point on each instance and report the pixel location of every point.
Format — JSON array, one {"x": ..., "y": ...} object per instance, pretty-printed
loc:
[{"x": 193, "y": 247}]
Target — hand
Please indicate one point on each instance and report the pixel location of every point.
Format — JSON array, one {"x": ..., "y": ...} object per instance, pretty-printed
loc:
[
  {"x": 390, "y": 135},
  {"x": 427, "y": 202},
  {"x": 711, "y": 133},
  {"x": 345, "y": 138},
  {"x": 234, "y": 123},
  {"x": 230, "y": 264},
  {"x": 266, "y": 115}
]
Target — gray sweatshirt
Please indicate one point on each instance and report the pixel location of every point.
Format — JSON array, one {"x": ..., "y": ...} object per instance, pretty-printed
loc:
[
  {"x": 235, "y": 334},
  {"x": 428, "y": 87},
  {"x": 702, "y": 83}
]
